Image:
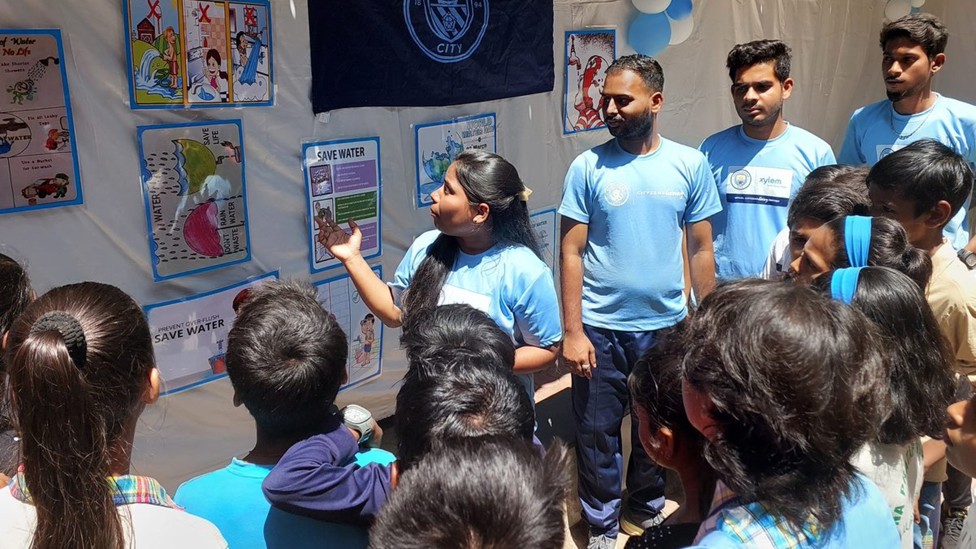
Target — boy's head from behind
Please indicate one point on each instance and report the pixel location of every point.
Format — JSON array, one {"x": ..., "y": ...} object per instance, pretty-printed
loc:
[
  {"x": 452, "y": 333},
  {"x": 920, "y": 186},
  {"x": 286, "y": 358},
  {"x": 828, "y": 192}
]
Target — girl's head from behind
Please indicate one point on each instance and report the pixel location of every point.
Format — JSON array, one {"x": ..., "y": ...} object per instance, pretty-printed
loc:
[
  {"x": 81, "y": 369},
  {"x": 786, "y": 385},
  {"x": 15, "y": 295},
  {"x": 856, "y": 241},
  {"x": 921, "y": 382}
]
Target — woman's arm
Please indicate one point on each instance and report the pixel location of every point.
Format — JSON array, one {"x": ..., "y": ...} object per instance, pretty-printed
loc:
[{"x": 530, "y": 359}]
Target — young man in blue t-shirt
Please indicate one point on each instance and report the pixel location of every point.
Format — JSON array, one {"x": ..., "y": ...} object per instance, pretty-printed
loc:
[
  {"x": 625, "y": 205},
  {"x": 761, "y": 164},
  {"x": 913, "y": 52}
]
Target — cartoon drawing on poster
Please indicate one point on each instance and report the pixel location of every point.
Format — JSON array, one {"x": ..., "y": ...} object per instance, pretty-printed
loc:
[
  {"x": 190, "y": 334},
  {"x": 438, "y": 143},
  {"x": 339, "y": 297},
  {"x": 193, "y": 186},
  {"x": 544, "y": 228},
  {"x": 155, "y": 52},
  {"x": 207, "y": 44},
  {"x": 588, "y": 54},
  {"x": 38, "y": 161},
  {"x": 342, "y": 182},
  {"x": 250, "y": 52}
]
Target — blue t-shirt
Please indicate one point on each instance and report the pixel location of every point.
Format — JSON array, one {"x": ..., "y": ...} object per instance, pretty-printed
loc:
[
  {"x": 635, "y": 207},
  {"x": 756, "y": 180},
  {"x": 232, "y": 500},
  {"x": 877, "y": 130}
]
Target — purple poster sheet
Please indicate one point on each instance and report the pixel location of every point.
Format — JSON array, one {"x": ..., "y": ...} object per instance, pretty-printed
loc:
[{"x": 342, "y": 182}]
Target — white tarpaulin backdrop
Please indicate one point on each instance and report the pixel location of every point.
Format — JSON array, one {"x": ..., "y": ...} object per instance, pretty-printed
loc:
[{"x": 836, "y": 67}]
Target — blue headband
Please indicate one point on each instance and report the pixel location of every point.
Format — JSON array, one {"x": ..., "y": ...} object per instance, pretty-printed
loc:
[
  {"x": 857, "y": 239},
  {"x": 844, "y": 283}
]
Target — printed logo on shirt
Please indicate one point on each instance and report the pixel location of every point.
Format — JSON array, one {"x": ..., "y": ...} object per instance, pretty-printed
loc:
[
  {"x": 616, "y": 194},
  {"x": 759, "y": 185},
  {"x": 885, "y": 150}
]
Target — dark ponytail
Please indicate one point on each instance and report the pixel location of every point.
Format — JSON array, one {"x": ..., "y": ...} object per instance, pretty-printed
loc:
[
  {"x": 486, "y": 179},
  {"x": 890, "y": 248},
  {"x": 79, "y": 360}
]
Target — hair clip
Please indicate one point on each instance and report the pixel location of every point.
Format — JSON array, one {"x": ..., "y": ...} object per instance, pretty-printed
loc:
[
  {"x": 70, "y": 330},
  {"x": 524, "y": 194}
]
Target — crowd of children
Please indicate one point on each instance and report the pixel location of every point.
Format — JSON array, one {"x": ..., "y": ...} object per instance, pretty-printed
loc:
[{"x": 817, "y": 396}]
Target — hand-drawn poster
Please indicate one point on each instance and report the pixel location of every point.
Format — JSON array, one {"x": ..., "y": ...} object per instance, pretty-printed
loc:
[
  {"x": 190, "y": 334},
  {"x": 38, "y": 160},
  {"x": 544, "y": 227},
  {"x": 365, "y": 332},
  {"x": 588, "y": 54},
  {"x": 342, "y": 182},
  {"x": 439, "y": 142},
  {"x": 195, "y": 53},
  {"x": 193, "y": 186}
]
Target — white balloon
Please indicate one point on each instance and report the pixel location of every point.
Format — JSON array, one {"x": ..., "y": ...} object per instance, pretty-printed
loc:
[
  {"x": 651, "y": 6},
  {"x": 897, "y": 8},
  {"x": 918, "y": 3},
  {"x": 681, "y": 30}
]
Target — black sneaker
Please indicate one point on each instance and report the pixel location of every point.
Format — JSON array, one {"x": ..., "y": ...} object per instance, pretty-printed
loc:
[
  {"x": 634, "y": 524},
  {"x": 952, "y": 527}
]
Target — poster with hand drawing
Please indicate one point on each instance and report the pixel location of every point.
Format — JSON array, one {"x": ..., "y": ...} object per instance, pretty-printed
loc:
[
  {"x": 195, "y": 197},
  {"x": 588, "y": 54},
  {"x": 250, "y": 31},
  {"x": 206, "y": 39},
  {"x": 363, "y": 330},
  {"x": 437, "y": 143},
  {"x": 38, "y": 160}
]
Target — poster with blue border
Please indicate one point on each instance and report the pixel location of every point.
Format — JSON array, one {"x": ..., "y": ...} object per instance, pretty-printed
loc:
[
  {"x": 195, "y": 197},
  {"x": 363, "y": 330},
  {"x": 342, "y": 182},
  {"x": 38, "y": 159},
  {"x": 437, "y": 143},
  {"x": 588, "y": 54},
  {"x": 546, "y": 233},
  {"x": 198, "y": 53},
  {"x": 190, "y": 334}
]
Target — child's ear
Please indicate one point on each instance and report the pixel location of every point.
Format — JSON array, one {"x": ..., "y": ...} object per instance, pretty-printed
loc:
[
  {"x": 152, "y": 390},
  {"x": 665, "y": 439},
  {"x": 938, "y": 216},
  {"x": 481, "y": 213}
]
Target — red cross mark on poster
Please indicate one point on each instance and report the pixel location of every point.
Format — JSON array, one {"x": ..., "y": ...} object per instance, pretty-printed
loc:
[
  {"x": 204, "y": 18},
  {"x": 251, "y": 17},
  {"x": 154, "y": 9}
]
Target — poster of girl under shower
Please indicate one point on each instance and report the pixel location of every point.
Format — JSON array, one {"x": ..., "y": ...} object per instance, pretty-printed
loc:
[{"x": 199, "y": 53}]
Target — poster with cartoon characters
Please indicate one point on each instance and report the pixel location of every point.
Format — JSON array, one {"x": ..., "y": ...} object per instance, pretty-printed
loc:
[
  {"x": 342, "y": 182},
  {"x": 365, "y": 332},
  {"x": 437, "y": 144},
  {"x": 198, "y": 53},
  {"x": 196, "y": 202},
  {"x": 545, "y": 229},
  {"x": 588, "y": 54},
  {"x": 190, "y": 334},
  {"x": 38, "y": 161}
]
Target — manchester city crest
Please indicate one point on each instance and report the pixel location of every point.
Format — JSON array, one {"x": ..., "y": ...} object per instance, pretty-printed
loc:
[
  {"x": 740, "y": 179},
  {"x": 446, "y": 30}
]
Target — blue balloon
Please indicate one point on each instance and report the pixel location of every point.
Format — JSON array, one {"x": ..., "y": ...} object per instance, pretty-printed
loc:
[
  {"x": 679, "y": 9},
  {"x": 649, "y": 33}
]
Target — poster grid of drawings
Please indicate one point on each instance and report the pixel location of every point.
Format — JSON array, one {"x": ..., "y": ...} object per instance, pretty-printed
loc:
[
  {"x": 190, "y": 334},
  {"x": 342, "y": 182},
  {"x": 38, "y": 160},
  {"x": 363, "y": 330},
  {"x": 196, "y": 203},
  {"x": 545, "y": 230},
  {"x": 588, "y": 54},
  {"x": 198, "y": 53},
  {"x": 437, "y": 144}
]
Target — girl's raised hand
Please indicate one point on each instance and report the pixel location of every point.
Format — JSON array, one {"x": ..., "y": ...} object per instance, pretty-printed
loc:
[{"x": 342, "y": 245}]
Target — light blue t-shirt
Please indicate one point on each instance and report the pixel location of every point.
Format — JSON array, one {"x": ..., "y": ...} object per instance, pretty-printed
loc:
[
  {"x": 756, "y": 180},
  {"x": 877, "y": 130},
  {"x": 635, "y": 207},
  {"x": 232, "y": 500}
]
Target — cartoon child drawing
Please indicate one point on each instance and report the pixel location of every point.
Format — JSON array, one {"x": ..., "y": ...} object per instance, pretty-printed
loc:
[
  {"x": 589, "y": 93},
  {"x": 53, "y": 136},
  {"x": 213, "y": 75},
  {"x": 368, "y": 337},
  {"x": 170, "y": 55}
]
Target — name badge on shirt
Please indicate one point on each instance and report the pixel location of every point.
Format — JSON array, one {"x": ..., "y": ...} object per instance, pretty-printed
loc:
[
  {"x": 885, "y": 150},
  {"x": 452, "y": 294},
  {"x": 758, "y": 185}
]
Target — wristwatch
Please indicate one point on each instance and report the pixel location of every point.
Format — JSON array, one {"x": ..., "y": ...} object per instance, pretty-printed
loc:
[
  {"x": 968, "y": 258},
  {"x": 358, "y": 419}
]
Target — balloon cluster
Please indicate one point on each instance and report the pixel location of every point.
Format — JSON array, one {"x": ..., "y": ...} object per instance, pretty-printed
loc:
[
  {"x": 900, "y": 8},
  {"x": 661, "y": 23}
]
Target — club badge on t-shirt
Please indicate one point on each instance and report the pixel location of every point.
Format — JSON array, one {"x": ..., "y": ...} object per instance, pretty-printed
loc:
[
  {"x": 884, "y": 150},
  {"x": 759, "y": 185}
]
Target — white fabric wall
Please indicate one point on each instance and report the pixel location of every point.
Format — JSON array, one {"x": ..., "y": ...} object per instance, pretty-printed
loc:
[{"x": 836, "y": 68}]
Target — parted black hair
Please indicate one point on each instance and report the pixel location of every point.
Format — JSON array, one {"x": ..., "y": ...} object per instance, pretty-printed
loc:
[
  {"x": 655, "y": 383},
  {"x": 441, "y": 338},
  {"x": 797, "y": 384},
  {"x": 921, "y": 381},
  {"x": 830, "y": 192},
  {"x": 760, "y": 51},
  {"x": 286, "y": 357},
  {"x": 889, "y": 248},
  {"x": 645, "y": 66},
  {"x": 924, "y": 29},
  {"x": 470, "y": 400},
  {"x": 478, "y": 494},
  {"x": 15, "y": 295},
  {"x": 925, "y": 173}
]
